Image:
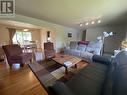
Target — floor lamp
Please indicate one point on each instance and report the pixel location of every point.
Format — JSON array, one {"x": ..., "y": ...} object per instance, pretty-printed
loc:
[{"x": 105, "y": 35}]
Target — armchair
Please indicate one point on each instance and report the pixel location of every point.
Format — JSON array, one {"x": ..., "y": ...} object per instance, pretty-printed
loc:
[
  {"x": 49, "y": 50},
  {"x": 15, "y": 55}
]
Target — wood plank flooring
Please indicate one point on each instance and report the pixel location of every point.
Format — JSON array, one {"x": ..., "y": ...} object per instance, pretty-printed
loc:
[{"x": 19, "y": 81}]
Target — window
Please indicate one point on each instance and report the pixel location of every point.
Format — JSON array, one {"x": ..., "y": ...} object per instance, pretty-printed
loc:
[{"x": 21, "y": 37}]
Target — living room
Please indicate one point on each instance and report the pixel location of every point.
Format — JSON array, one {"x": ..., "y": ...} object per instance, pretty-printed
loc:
[{"x": 60, "y": 23}]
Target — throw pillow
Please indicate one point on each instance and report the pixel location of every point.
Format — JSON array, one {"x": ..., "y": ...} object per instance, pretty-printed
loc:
[
  {"x": 59, "y": 88},
  {"x": 84, "y": 42}
]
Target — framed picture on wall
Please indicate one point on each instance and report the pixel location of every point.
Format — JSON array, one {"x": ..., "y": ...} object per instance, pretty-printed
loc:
[{"x": 69, "y": 34}]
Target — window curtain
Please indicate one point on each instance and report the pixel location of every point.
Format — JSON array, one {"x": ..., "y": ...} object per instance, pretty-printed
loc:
[{"x": 12, "y": 32}]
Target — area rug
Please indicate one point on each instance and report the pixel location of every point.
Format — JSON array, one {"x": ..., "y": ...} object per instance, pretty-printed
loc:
[
  {"x": 58, "y": 71},
  {"x": 50, "y": 72}
]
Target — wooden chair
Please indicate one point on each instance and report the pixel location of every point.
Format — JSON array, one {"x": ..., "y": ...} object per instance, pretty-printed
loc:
[{"x": 49, "y": 50}]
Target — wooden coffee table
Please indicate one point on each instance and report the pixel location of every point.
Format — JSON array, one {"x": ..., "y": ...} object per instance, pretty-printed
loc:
[{"x": 62, "y": 59}]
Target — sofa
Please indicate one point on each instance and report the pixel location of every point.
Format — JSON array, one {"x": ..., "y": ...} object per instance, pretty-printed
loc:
[
  {"x": 105, "y": 76},
  {"x": 84, "y": 50}
]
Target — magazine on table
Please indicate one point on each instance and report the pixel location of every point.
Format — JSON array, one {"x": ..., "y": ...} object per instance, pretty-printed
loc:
[{"x": 68, "y": 63}]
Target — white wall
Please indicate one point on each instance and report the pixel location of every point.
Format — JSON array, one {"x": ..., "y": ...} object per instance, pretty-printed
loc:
[
  {"x": 59, "y": 37},
  {"x": 43, "y": 36},
  {"x": 62, "y": 37},
  {"x": 4, "y": 35},
  {"x": 126, "y": 32},
  {"x": 112, "y": 42},
  {"x": 60, "y": 32}
]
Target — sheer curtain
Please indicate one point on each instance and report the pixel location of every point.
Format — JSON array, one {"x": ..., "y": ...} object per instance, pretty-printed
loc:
[{"x": 12, "y": 32}]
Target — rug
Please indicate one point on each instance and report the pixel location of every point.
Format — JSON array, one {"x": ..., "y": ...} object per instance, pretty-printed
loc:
[
  {"x": 58, "y": 71},
  {"x": 50, "y": 72}
]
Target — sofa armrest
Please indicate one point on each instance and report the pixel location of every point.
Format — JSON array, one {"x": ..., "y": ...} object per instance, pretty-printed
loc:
[
  {"x": 66, "y": 50},
  {"x": 102, "y": 59},
  {"x": 66, "y": 47},
  {"x": 59, "y": 88}
]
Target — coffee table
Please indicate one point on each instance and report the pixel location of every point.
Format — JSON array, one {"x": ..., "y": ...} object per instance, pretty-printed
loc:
[{"x": 62, "y": 59}]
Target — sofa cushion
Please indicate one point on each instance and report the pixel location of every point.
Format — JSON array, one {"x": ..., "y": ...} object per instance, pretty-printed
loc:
[
  {"x": 13, "y": 48},
  {"x": 59, "y": 88},
  {"x": 89, "y": 81},
  {"x": 120, "y": 78},
  {"x": 90, "y": 47},
  {"x": 94, "y": 47},
  {"x": 73, "y": 45},
  {"x": 120, "y": 74},
  {"x": 81, "y": 47},
  {"x": 84, "y": 86},
  {"x": 75, "y": 52},
  {"x": 108, "y": 83},
  {"x": 23, "y": 57},
  {"x": 94, "y": 72},
  {"x": 87, "y": 56}
]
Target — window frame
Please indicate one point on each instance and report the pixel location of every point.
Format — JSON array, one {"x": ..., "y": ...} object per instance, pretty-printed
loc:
[{"x": 23, "y": 33}]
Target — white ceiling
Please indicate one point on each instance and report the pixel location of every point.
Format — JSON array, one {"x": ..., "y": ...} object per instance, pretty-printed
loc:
[
  {"x": 18, "y": 25},
  {"x": 72, "y": 12}
]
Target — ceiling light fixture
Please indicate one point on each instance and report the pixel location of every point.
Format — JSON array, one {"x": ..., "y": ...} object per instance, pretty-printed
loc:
[
  {"x": 87, "y": 23},
  {"x": 92, "y": 22},
  {"x": 25, "y": 30},
  {"x": 81, "y": 25},
  {"x": 99, "y": 21}
]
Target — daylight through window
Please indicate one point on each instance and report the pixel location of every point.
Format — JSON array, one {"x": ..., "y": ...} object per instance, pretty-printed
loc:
[{"x": 21, "y": 37}]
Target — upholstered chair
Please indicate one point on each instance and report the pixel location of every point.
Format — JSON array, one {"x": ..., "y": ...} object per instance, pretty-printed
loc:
[
  {"x": 15, "y": 55},
  {"x": 49, "y": 50}
]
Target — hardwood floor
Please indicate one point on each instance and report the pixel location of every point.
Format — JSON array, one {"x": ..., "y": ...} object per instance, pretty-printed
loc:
[{"x": 19, "y": 81}]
